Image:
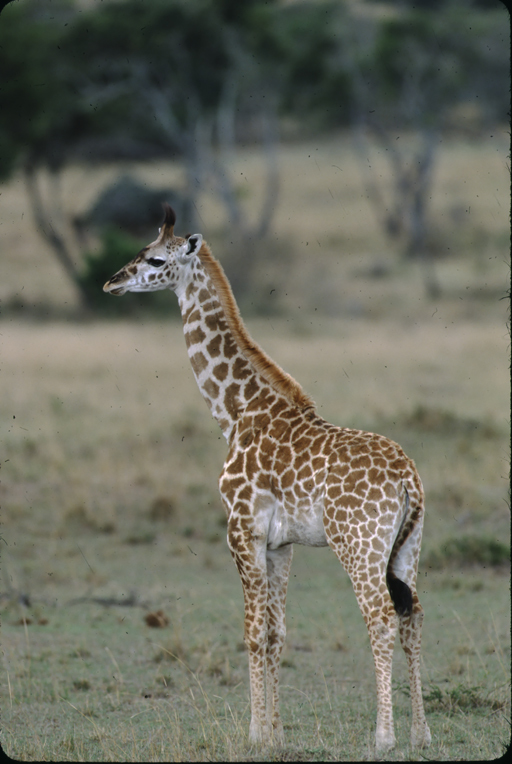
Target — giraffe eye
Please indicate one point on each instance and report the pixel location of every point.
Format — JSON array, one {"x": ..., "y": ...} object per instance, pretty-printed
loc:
[{"x": 155, "y": 262}]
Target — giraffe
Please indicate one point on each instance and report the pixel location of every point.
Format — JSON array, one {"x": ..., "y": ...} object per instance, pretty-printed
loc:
[{"x": 289, "y": 478}]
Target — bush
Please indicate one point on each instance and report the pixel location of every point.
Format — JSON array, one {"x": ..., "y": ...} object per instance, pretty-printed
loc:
[
  {"x": 117, "y": 249},
  {"x": 461, "y": 698},
  {"x": 468, "y": 550}
]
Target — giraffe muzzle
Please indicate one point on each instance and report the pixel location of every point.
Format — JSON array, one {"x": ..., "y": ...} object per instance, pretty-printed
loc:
[{"x": 111, "y": 288}]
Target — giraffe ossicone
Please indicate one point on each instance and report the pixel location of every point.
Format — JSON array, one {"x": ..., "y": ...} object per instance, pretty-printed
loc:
[{"x": 289, "y": 478}]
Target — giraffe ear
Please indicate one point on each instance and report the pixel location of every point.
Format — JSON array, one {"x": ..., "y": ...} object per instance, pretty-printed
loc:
[
  {"x": 190, "y": 248},
  {"x": 193, "y": 244}
]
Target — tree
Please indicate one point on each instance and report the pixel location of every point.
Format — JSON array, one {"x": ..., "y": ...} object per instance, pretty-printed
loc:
[
  {"x": 41, "y": 116},
  {"x": 126, "y": 52},
  {"x": 299, "y": 42},
  {"x": 416, "y": 68},
  {"x": 168, "y": 78},
  {"x": 196, "y": 78}
]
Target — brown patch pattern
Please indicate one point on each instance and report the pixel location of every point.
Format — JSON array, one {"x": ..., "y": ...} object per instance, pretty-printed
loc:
[{"x": 290, "y": 477}]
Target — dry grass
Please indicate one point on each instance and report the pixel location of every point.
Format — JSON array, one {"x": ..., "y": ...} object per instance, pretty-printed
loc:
[
  {"x": 109, "y": 489},
  {"x": 103, "y": 414}
]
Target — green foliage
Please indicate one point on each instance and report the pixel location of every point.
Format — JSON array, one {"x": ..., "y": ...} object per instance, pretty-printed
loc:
[
  {"x": 299, "y": 43},
  {"x": 117, "y": 249},
  {"x": 463, "y": 698},
  {"x": 31, "y": 91},
  {"x": 460, "y": 698},
  {"x": 440, "y": 421},
  {"x": 41, "y": 113},
  {"x": 131, "y": 44},
  {"x": 73, "y": 75},
  {"x": 468, "y": 550},
  {"x": 424, "y": 62}
]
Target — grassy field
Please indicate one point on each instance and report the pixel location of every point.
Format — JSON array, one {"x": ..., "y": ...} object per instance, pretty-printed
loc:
[{"x": 122, "y": 612}]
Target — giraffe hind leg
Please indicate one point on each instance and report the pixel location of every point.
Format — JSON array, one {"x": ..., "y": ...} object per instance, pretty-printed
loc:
[
  {"x": 374, "y": 600},
  {"x": 404, "y": 562},
  {"x": 410, "y": 639}
]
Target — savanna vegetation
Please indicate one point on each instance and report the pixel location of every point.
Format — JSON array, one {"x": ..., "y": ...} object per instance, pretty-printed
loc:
[{"x": 122, "y": 612}]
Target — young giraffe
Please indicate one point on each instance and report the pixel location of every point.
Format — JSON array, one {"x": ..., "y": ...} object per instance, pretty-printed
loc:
[{"x": 292, "y": 478}]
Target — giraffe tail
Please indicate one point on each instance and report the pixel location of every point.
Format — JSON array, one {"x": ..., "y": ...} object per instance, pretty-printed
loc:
[
  {"x": 399, "y": 590},
  {"x": 400, "y": 594}
]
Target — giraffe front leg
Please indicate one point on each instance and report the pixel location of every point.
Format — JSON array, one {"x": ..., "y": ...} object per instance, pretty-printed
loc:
[
  {"x": 255, "y": 640},
  {"x": 278, "y": 572},
  {"x": 248, "y": 552}
]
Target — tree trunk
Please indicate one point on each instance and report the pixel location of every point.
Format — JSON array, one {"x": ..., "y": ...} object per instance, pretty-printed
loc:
[{"x": 53, "y": 237}]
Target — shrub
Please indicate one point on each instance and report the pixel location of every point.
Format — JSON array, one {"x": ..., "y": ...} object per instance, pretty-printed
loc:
[
  {"x": 460, "y": 698},
  {"x": 468, "y": 550}
]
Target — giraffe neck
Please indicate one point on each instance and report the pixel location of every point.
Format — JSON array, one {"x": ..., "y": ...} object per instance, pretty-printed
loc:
[
  {"x": 230, "y": 369},
  {"x": 224, "y": 376}
]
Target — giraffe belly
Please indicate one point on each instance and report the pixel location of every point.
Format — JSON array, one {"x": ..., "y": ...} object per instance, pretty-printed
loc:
[{"x": 305, "y": 526}]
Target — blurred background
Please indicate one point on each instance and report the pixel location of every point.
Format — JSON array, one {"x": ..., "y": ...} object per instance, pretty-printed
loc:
[
  {"x": 293, "y": 134},
  {"x": 348, "y": 161}
]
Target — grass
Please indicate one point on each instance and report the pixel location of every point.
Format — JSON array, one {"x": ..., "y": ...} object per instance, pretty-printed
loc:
[
  {"x": 102, "y": 685},
  {"x": 122, "y": 612},
  {"x": 110, "y": 494}
]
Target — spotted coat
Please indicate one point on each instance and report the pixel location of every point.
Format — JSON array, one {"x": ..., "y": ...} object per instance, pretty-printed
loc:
[{"x": 289, "y": 478}]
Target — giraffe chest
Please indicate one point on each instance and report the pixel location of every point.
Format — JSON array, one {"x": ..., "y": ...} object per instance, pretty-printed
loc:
[
  {"x": 299, "y": 502},
  {"x": 280, "y": 497},
  {"x": 289, "y": 513},
  {"x": 300, "y": 523}
]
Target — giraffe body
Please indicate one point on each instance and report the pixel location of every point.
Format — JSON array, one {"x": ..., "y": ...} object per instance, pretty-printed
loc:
[{"x": 289, "y": 478}]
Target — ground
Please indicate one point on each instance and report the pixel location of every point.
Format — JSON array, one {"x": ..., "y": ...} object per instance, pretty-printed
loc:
[{"x": 122, "y": 612}]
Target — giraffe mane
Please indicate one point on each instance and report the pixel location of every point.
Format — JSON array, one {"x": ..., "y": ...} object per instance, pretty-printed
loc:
[{"x": 280, "y": 380}]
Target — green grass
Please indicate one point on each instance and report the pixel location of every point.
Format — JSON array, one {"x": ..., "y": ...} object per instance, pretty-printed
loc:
[
  {"x": 110, "y": 495},
  {"x": 96, "y": 683}
]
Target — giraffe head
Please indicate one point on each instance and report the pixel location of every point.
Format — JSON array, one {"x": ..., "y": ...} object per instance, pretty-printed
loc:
[{"x": 161, "y": 265}]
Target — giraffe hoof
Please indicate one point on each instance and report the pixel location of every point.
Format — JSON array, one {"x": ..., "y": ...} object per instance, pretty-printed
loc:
[
  {"x": 263, "y": 737},
  {"x": 421, "y": 738},
  {"x": 277, "y": 736},
  {"x": 259, "y": 735},
  {"x": 384, "y": 743}
]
